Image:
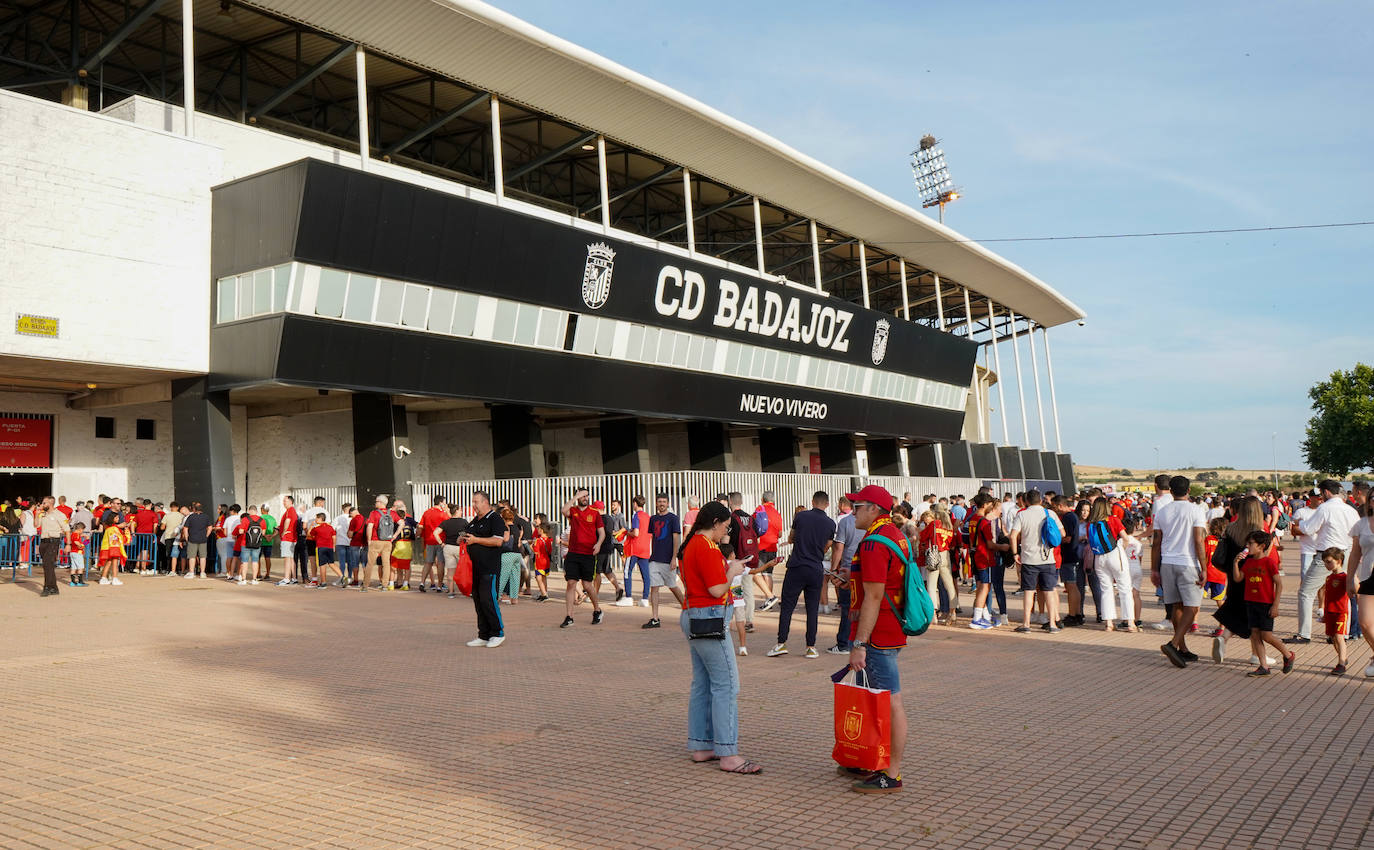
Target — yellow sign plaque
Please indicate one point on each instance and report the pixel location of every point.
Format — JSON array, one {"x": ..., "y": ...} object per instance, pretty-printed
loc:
[{"x": 35, "y": 325}]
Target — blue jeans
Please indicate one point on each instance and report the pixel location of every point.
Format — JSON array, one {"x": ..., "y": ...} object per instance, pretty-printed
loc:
[
  {"x": 712, "y": 708},
  {"x": 843, "y": 598},
  {"x": 349, "y": 558},
  {"x": 880, "y": 667},
  {"x": 224, "y": 548},
  {"x": 630, "y": 564}
]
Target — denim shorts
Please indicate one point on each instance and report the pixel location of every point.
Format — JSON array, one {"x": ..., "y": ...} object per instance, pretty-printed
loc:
[
  {"x": 880, "y": 669},
  {"x": 1039, "y": 577},
  {"x": 1070, "y": 573},
  {"x": 983, "y": 575}
]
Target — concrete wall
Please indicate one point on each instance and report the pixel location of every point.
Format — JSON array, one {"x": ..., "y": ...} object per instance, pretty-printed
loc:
[
  {"x": 580, "y": 454},
  {"x": 460, "y": 451},
  {"x": 104, "y": 226},
  {"x": 86, "y": 466}
]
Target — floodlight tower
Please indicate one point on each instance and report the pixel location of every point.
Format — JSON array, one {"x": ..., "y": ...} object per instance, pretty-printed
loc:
[{"x": 932, "y": 175}]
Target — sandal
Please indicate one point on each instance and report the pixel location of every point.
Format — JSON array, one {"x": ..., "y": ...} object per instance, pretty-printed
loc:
[{"x": 748, "y": 768}]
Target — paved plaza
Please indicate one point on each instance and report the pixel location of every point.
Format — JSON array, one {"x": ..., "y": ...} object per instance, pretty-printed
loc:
[{"x": 174, "y": 713}]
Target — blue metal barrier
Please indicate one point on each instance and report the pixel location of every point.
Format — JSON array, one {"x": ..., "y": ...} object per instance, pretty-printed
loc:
[{"x": 12, "y": 554}]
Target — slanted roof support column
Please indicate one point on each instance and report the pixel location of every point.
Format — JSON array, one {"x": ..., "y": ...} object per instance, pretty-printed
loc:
[
  {"x": 863, "y": 271},
  {"x": 758, "y": 234},
  {"x": 497, "y": 169},
  {"x": 997, "y": 362},
  {"x": 687, "y": 207},
  {"x": 364, "y": 143},
  {"x": 816, "y": 255},
  {"x": 906, "y": 299},
  {"x": 604, "y": 181}
]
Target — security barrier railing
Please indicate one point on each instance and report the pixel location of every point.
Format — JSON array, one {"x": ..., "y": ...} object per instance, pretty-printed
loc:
[{"x": 548, "y": 495}]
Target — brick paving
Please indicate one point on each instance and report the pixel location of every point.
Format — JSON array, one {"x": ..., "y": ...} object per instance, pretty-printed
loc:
[{"x": 172, "y": 713}]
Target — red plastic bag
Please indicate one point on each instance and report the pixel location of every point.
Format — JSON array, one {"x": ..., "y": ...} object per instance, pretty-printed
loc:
[
  {"x": 863, "y": 726},
  {"x": 462, "y": 574}
]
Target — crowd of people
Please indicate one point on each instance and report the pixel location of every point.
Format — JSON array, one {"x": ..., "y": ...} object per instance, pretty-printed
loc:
[{"x": 719, "y": 559}]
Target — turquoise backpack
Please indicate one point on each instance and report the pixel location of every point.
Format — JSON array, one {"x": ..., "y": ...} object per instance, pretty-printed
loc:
[{"x": 917, "y": 609}]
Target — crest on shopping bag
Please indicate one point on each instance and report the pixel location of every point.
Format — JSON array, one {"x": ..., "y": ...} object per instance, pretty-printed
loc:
[
  {"x": 596, "y": 275},
  {"x": 880, "y": 334},
  {"x": 853, "y": 725}
]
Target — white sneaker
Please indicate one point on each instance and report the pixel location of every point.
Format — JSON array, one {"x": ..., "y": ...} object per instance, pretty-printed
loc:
[
  {"x": 189, "y": 575},
  {"x": 496, "y": 641},
  {"x": 825, "y": 609},
  {"x": 1162, "y": 626},
  {"x": 1268, "y": 661},
  {"x": 243, "y": 581},
  {"x": 1369, "y": 671},
  {"x": 286, "y": 582},
  {"x": 1000, "y": 620},
  {"x": 643, "y": 603},
  {"x": 254, "y": 581},
  {"x": 1219, "y": 649},
  {"x": 744, "y": 650},
  {"x": 780, "y": 649},
  {"x": 105, "y": 581},
  {"x": 624, "y": 602},
  {"x": 115, "y": 581},
  {"x": 477, "y": 642}
]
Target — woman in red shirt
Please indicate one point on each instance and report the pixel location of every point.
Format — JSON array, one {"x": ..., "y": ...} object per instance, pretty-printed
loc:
[
  {"x": 933, "y": 553},
  {"x": 712, "y": 708}
]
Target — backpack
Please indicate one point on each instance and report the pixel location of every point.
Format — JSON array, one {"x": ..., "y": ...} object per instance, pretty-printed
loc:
[
  {"x": 1281, "y": 524},
  {"x": 252, "y": 535},
  {"x": 746, "y": 542},
  {"x": 1100, "y": 537},
  {"x": 761, "y": 520},
  {"x": 386, "y": 526},
  {"x": 1051, "y": 535},
  {"x": 917, "y": 609}
]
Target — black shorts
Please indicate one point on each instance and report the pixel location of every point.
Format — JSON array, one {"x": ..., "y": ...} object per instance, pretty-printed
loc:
[
  {"x": 603, "y": 564},
  {"x": 765, "y": 557},
  {"x": 1039, "y": 577},
  {"x": 325, "y": 556},
  {"x": 1257, "y": 616},
  {"x": 578, "y": 567}
]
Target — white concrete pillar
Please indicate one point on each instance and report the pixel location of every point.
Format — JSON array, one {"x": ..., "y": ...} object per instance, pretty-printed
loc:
[
  {"x": 687, "y": 205},
  {"x": 498, "y": 170},
  {"x": 997, "y": 361},
  {"x": 863, "y": 271},
  {"x": 1054, "y": 402},
  {"x": 1020, "y": 392},
  {"x": 364, "y": 144},
  {"x": 188, "y": 66},
  {"x": 605, "y": 181}
]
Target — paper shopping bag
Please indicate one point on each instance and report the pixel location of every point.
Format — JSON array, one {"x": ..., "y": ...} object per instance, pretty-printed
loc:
[{"x": 863, "y": 726}]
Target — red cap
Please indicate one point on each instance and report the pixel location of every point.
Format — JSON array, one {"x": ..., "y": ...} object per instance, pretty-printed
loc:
[
  {"x": 599, "y": 505},
  {"x": 873, "y": 494}
]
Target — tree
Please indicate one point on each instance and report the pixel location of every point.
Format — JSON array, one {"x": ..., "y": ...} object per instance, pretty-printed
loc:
[{"x": 1341, "y": 436}]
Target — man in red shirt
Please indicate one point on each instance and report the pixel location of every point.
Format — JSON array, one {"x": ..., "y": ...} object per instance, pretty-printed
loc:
[
  {"x": 876, "y": 581},
  {"x": 434, "y": 548},
  {"x": 586, "y": 531},
  {"x": 62, "y": 506},
  {"x": 286, "y": 533},
  {"x": 145, "y": 526},
  {"x": 381, "y": 527},
  {"x": 768, "y": 547}
]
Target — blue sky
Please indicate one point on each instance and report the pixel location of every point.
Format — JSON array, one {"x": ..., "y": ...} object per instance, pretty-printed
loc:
[{"x": 1076, "y": 118}]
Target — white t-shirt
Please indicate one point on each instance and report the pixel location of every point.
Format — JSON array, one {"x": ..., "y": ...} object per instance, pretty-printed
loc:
[
  {"x": 1306, "y": 543},
  {"x": 1330, "y": 524},
  {"x": 341, "y": 528},
  {"x": 1363, "y": 533},
  {"x": 231, "y": 523},
  {"x": 1028, "y": 523},
  {"x": 1133, "y": 549},
  {"x": 1161, "y": 499},
  {"x": 1175, "y": 522}
]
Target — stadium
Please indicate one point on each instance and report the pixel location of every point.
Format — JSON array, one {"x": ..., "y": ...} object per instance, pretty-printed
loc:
[{"x": 340, "y": 246}]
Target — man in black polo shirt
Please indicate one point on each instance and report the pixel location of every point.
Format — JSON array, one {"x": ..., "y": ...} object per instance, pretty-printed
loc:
[
  {"x": 812, "y": 534},
  {"x": 486, "y": 532}
]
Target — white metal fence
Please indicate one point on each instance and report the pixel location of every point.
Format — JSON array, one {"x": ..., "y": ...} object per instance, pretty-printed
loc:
[{"x": 548, "y": 495}]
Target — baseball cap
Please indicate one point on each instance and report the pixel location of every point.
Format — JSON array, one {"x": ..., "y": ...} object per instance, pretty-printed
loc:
[
  {"x": 598, "y": 504},
  {"x": 873, "y": 494}
]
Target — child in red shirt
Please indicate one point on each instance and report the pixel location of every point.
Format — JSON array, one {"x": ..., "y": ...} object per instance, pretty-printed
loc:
[
  {"x": 76, "y": 555},
  {"x": 1215, "y": 588},
  {"x": 543, "y": 556},
  {"x": 1336, "y": 605},
  {"x": 1258, "y": 568}
]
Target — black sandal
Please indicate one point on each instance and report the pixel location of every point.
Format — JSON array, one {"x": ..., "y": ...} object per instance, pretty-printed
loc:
[{"x": 748, "y": 769}]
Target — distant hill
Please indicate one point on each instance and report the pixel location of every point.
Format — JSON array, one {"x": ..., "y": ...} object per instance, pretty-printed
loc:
[{"x": 1113, "y": 474}]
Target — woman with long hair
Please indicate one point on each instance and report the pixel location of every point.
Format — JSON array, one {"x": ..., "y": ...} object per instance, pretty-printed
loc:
[
  {"x": 1359, "y": 567},
  {"x": 508, "y": 580},
  {"x": 933, "y": 553},
  {"x": 1113, "y": 571},
  {"x": 712, "y": 708},
  {"x": 1249, "y": 516}
]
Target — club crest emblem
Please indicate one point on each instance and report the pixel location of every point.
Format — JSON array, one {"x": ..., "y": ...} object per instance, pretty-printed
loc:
[
  {"x": 880, "y": 334},
  {"x": 853, "y": 725},
  {"x": 596, "y": 276}
]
